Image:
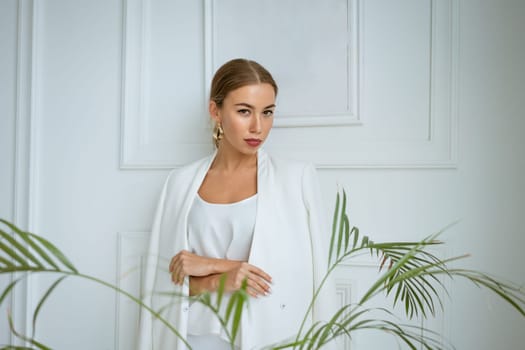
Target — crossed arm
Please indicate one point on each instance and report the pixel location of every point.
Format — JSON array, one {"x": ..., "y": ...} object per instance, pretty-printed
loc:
[{"x": 205, "y": 273}]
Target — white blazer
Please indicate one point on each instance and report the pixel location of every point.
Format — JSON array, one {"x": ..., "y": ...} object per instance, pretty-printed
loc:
[{"x": 290, "y": 243}]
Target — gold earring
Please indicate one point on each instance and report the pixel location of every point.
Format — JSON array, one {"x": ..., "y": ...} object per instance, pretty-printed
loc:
[{"x": 218, "y": 133}]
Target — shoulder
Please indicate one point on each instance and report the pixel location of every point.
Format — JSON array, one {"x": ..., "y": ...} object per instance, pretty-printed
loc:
[
  {"x": 289, "y": 167},
  {"x": 291, "y": 173},
  {"x": 186, "y": 173},
  {"x": 286, "y": 165},
  {"x": 293, "y": 179}
]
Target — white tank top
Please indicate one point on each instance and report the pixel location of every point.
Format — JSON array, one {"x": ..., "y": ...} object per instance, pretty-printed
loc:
[{"x": 222, "y": 231}]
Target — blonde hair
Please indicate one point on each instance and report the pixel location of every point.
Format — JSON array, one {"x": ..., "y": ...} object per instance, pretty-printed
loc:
[{"x": 237, "y": 73}]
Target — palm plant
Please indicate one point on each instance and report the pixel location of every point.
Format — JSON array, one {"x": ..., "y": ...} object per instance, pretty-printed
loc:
[{"x": 411, "y": 275}]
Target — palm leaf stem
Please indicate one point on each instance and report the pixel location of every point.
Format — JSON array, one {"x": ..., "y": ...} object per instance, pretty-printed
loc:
[
  {"x": 136, "y": 300},
  {"x": 101, "y": 282}
]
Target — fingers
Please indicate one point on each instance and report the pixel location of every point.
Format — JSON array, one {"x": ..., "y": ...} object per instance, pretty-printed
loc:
[
  {"x": 175, "y": 260},
  {"x": 257, "y": 287},
  {"x": 176, "y": 267},
  {"x": 260, "y": 273},
  {"x": 178, "y": 275},
  {"x": 257, "y": 281},
  {"x": 186, "y": 263}
]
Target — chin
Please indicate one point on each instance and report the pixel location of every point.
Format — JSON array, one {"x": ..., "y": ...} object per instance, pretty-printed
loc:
[{"x": 250, "y": 151}]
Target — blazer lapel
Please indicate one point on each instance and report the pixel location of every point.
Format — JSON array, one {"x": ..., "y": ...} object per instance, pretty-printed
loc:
[
  {"x": 195, "y": 184},
  {"x": 260, "y": 232}
]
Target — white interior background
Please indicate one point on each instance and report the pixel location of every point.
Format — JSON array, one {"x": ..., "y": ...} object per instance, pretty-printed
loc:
[{"x": 415, "y": 107}]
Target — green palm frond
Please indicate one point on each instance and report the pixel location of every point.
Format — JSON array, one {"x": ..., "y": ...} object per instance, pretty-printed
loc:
[
  {"x": 231, "y": 319},
  {"x": 415, "y": 337},
  {"x": 36, "y": 344},
  {"x": 24, "y": 252},
  {"x": 30, "y": 252},
  {"x": 353, "y": 318},
  {"x": 411, "y": 273},
  {"x": 405, "y": 265},
  {"x": 512, "y": 293}
]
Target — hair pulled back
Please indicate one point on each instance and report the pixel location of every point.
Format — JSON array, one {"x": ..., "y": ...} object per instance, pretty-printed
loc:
[{"x": 237, "y": 73}]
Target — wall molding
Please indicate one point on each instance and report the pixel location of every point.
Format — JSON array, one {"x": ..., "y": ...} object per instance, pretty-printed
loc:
[
  {"x": 137, "y": 148},
  {"x": 344, "y": 293},
  {"x": 134, "y": 104},
  {"x": 349, "y": 116},
  {"x": 435, "y": 148},
  {"x": 25, "y": 160},
  {"x": 438, "y": 148}
]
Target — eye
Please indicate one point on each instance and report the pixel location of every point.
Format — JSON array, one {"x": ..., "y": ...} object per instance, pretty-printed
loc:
[
  {"x": 244, "y": 111},
  {"x": 268, "y": 113}
]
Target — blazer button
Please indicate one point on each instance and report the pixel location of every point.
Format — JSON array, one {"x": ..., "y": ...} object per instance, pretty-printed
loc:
[
  {"x": 282, "y": 306},
  {"x": 185, "y": 309}
]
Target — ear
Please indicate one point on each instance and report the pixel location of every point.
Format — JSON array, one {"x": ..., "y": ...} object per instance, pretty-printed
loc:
[{"x": 214, "y": 111}]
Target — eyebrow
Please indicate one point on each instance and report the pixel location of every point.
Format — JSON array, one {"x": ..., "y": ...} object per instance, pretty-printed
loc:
[{"x": 253, "y": 107}]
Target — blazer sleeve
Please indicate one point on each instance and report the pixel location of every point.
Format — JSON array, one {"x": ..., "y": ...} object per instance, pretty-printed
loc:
[
  {"x": 154, "y": 335},
  {"x": 145, "y": 336},
  {"x": 325, "y": 305}
]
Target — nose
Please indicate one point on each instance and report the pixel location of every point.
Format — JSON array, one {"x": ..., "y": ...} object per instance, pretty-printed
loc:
[{"x": 255, "y": 125}]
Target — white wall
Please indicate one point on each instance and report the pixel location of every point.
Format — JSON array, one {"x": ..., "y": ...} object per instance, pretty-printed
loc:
[
  {"x": 7, "y": 126},
  {"x": 486, "y": 192},
  {"x": 83, "y": 198},
  {"x": 492, "y": 168}
]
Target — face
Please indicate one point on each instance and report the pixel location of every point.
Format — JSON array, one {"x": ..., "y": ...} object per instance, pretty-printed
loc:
[{"x": 246, "y": 116}]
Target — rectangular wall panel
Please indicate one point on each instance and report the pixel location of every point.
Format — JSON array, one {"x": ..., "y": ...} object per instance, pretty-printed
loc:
[
  {"x": 407, "y": 106},
  {"x": 164, "y": 119},
  {"x": 363, "y": 84},
  {"x": 314, "y": 55}
]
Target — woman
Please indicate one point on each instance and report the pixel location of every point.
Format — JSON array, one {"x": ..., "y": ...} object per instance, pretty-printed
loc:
[{"x": 243, "y": 214}]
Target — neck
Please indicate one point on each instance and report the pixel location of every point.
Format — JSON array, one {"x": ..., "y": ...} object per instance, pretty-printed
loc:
[{"x": 231, "y": 160}]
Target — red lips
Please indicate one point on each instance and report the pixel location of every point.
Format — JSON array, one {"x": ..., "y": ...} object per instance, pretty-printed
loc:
[{"x": 253, "y": 142}]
